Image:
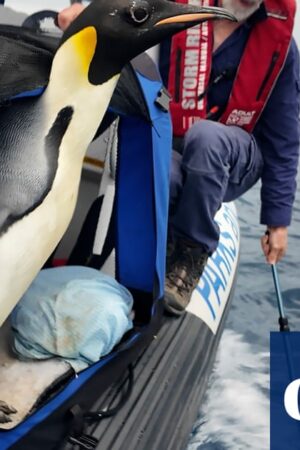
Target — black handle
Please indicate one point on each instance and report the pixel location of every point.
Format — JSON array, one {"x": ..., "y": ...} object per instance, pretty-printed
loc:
[{"x": 35, "y": 20}]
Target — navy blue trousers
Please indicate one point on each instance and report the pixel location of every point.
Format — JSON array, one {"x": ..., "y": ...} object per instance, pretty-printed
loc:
[{"x": 218, "y": 164}]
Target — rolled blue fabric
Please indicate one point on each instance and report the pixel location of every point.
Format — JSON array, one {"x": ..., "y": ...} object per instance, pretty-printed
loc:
[{"x": 75, "y": 313}]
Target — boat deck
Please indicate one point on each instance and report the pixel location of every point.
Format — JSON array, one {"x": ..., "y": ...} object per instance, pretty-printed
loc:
[{"x": 170, "y": 379}]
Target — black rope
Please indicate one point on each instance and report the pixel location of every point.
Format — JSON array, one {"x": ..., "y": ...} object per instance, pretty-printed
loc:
[
  {"x": 227, "y": 74},
  {"x": 92, "y": 417},
  {"x": 78, "y": 439}
]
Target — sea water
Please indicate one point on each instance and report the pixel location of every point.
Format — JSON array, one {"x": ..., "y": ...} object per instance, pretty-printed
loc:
[{"x": 235, "y": 413}]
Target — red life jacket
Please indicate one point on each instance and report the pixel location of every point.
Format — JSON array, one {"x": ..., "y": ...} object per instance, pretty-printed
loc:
[{"x": 191, "y": 56}]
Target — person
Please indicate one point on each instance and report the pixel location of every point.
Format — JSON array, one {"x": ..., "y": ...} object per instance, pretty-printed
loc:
[
  {"x": 249, "y": 131},
  {"x": 235, "y": 112},
  {"x": 67, "y": 15}
]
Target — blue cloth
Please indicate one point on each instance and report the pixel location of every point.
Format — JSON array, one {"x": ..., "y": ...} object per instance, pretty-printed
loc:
[
  {"x": 76, "y": 313},
  {"x": 219, "y": 163},
  {"x": 277, "y": 132}
]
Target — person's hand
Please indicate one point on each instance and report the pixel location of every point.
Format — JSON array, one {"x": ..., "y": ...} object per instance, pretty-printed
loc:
[
  {"x": 67, "y": 15},
  {"x": 274, "y": 243}
]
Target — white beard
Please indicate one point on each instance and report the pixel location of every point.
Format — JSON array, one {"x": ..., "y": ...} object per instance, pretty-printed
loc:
[{"x": 241, "y": 12}]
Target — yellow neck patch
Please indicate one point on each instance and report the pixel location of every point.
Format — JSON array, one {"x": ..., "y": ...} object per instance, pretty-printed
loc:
[{"x": 84, "y": 43}]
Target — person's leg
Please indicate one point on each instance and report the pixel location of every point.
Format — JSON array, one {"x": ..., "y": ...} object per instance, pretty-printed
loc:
[
  {"x": 176, "y": 181},
  {"x": 218, "y": 163}
]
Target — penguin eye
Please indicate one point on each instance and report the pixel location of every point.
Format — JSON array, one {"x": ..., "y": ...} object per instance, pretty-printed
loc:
[{"x": 138, "y": 12}]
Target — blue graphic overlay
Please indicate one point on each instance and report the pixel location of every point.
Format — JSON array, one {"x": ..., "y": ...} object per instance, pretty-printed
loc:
[{"x": 284, "y": 390}]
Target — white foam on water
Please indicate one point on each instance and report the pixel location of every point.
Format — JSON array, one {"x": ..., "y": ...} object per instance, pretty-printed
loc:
[{"x": 235, "y": 415}]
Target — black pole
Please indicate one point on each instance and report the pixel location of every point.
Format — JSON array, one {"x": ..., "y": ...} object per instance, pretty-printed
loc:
[{"x": 283, "y": 321}]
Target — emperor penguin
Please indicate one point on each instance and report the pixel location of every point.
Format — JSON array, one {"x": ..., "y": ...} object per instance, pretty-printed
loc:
[{"x": 43, "y": 140}]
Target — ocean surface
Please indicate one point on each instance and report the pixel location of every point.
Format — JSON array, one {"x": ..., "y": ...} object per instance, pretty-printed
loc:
[{"x": 235, "y": 413}]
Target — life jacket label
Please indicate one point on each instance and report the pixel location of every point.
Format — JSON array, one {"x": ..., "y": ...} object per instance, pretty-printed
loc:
[{"x": 240, "y": 118}]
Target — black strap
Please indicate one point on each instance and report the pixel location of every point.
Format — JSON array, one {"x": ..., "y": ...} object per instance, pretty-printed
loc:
[
  {"x": 228, "y": 74},
  {"x": 78, "y": 439},
  {"x": 92, "y": 417},
  {"x": 77, "y": 420}
]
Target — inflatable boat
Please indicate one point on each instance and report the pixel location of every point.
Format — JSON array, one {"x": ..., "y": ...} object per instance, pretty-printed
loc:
[{"x": 145, "y": 394}]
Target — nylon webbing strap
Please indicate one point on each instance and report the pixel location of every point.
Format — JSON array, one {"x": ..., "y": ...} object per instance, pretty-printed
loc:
[{"x": 107, "y": 188}]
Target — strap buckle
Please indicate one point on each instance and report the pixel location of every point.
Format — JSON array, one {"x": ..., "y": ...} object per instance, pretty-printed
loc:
[{"x": 163, "y": 99}]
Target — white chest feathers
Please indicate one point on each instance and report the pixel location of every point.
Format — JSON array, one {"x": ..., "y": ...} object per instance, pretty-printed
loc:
[{"x": 28, "y": 243}]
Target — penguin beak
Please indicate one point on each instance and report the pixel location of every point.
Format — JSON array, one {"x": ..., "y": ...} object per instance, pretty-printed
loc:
[
  {"x": 125, "y": 28},
  {"x": 187, "y": 15},
  {"x": 168, "y": 18}
]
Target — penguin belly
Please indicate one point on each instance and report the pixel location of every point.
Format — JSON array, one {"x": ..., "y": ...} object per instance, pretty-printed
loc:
[
  {"x": 29, "y": 240},
  {"x": 27, "y": 244}
]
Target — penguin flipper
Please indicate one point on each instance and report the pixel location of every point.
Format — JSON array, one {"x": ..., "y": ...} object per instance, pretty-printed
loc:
[{"x": 28, "y": 158}]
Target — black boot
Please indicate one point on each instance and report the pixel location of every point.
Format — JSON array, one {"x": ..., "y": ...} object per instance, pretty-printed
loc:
[{"x": 184, "y": 268}]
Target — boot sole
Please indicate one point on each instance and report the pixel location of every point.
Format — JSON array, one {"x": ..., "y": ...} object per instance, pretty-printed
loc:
[{"x": 173, "y": 311}]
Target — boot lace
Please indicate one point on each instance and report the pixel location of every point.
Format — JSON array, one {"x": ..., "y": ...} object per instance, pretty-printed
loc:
[{"x": 186, "y": 268}]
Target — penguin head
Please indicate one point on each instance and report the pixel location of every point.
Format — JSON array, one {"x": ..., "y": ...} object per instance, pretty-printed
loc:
[{"x": 114, "y": 32}]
